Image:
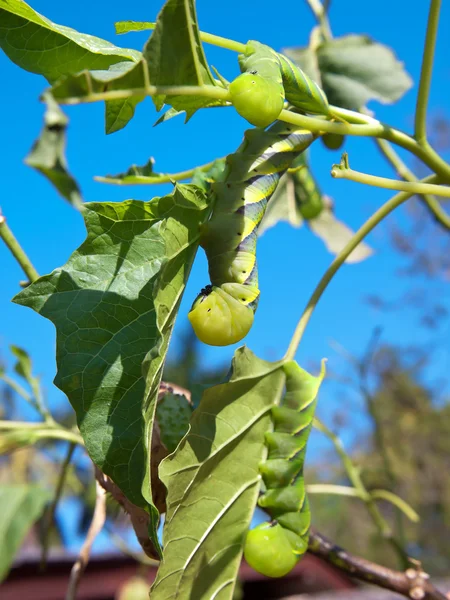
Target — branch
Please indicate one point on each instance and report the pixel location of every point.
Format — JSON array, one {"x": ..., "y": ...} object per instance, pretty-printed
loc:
[
  {"x": 343, "y": 171},
  {"x": 413, "y": 583},
  {"x": 16, "y": 250},
  {"x": 98, "y": 520}
]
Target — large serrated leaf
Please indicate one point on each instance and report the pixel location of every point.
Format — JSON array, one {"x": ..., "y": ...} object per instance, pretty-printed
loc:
[
  {"x": 114, "y": 304},
  {"x": 354, "y": 69},
  {"x": 48, "y": 153},
  {"x": 175, "y": 55},
  {"x": 22, "y": 505},
  {"x": 40, "y": 46},
  {"x": 213, "y": 483}
]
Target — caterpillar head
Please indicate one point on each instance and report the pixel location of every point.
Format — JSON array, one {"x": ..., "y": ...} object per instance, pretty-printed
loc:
[
  {"x": 218, "y": 319},
  {"x": 268, "y": 550},
  {"x": 257, "y": 99}
]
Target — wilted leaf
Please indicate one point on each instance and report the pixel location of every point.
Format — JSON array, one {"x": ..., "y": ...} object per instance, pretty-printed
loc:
[
  {"x": 353, "y": 70},
  {"x": 21, "y": 506},
  {"x": 336, "y": 235},
  {"x": 213, "y": 483},
  {"x": 40, "y": 46},
  {"x": 48, "y": 153},
  {"x": 175, "y": 56},
  {"x": 114, "y": 304}
]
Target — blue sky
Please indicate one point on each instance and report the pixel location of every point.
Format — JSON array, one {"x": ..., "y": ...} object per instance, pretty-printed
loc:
[{"x": 291, "y": 261}]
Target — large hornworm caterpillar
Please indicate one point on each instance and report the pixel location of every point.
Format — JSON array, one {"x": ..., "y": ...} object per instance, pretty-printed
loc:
[
  {"x": 267, "y": 79},
  {"x": 223, "y": 312},
  {"x": 273, "y": 548}
]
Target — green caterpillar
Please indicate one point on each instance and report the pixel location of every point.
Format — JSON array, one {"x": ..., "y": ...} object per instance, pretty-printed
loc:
[
  {"x": 274, "y": 548},
  {"x": 223, "y": 312},
  {"x": 267, "y": 79}
]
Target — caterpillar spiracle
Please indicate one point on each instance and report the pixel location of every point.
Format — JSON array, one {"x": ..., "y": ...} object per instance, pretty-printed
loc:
[
  {"x": 267, "y": 79},
  {"x": 222, "y": 313},
  {"x": 274, "y": 548}
]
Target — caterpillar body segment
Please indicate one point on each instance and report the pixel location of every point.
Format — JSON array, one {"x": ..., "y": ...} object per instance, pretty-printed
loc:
[
  {"x": 267, "y": 80},
  {"x": 223, "y": 312},
  {"x": 285, "y": 497}
]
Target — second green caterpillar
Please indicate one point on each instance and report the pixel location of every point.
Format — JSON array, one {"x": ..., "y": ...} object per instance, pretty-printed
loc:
[{"x": 223, "y": 312}]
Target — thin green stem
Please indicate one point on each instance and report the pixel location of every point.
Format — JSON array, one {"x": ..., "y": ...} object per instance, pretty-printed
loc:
[
  {"x": 397, "y": 501},
  {"x": 330, "y": 488},
  {"x": 355, "y": 478},
  {"x": 432, "y": 205},
  {"x": 157, "y": 178},
  {"x": 208, "y": 91},
  {"x": 17, "y": 388},
  {"x": 320, "y": 12},
  {"x": 426, "y": 72},
  {"x": 339, "y": 172},
  {"x": 368, "y": 226},
  {"x": 43, "y": 430},
  {"x": 208, "y": 38},
  {"x": 16, "y": 250},
  {"x": 49, "y": 517}
]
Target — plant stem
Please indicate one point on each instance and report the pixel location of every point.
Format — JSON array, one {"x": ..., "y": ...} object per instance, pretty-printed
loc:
[
  {"x": 355, "y": 478},
  {"x": 16, "y": 250},
  {"x": 17, "y": 388},
  {"x": 426, "y": 72},
  {"x": 157, "y": 178},
  {"x": 370, "y": 224},
  {"x": 412, "y": 584},
  {"x": 320, "y": 12},
  {"x": 208, "y": 91},
  {"x": 44, "y": 430},
  {"x": 390, "y": 184},
  {"x": 433, "y": 205},
  {"x": 51, "y": 510}
]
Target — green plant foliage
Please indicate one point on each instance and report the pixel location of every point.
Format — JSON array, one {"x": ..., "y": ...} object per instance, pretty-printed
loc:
[
  {"x": 135, "y": 174},
  {"x": 22, "y": 505},
  {"x": 175, "y": 56},
  {"x": 353, "y": 70},
  {"x": 114, "y": 305},
  {"x": 216, "y": 468},
  {"x": 48, "y": 153},
  {"x": 34, "y": 43}
]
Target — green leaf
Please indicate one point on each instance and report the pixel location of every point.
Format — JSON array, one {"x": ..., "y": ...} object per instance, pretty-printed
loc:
[
  {"x": 114, "y": 304},
  {"x": 40, "y": 46},
  {"x": 175, "y": 56},
  {"x": 128, "y": 26},
  {"x": 48, "y": 153},
  {"x": 22, "y": 505},
  {"x": 23, "y": 367},
  {"x": 215, "y": 173},
  {"x": 173, "y": 414},
  {"x": 353, "y": 70},
  {"x": 336, "y": 235},
  {"x": 213, "y": 482},
  {"x": 135, "y": 175}
]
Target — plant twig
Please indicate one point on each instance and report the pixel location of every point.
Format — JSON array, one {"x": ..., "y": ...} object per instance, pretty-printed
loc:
[
  {"x": 413, "y": 583},
  {"x": 426, "y": 72},
  {"x": 362, "y": 232},
  {"x": 49, "y": 517},
  {"x": 98, "y": 520},
  {"x": 16, "y": 250},
  {"x": 433, "y": 206},
  {"x": 355, "y": 479},
  {"x": 319, "y": 10},
  {"x": 342, "y": 171}
]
